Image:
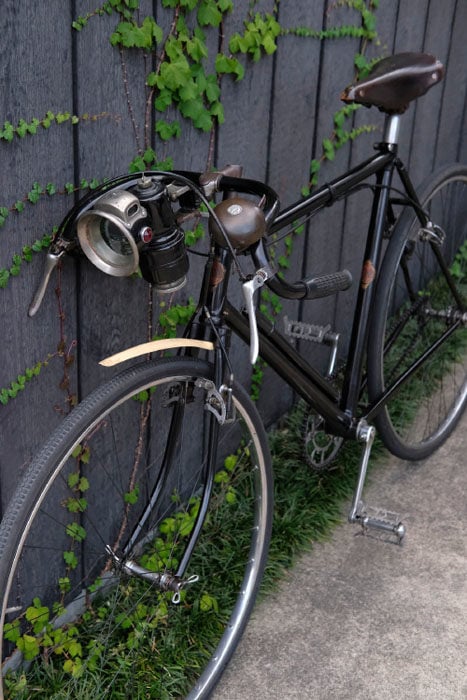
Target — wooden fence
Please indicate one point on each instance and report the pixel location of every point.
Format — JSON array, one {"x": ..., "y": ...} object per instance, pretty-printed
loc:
[{"x": 276, "y": 119}]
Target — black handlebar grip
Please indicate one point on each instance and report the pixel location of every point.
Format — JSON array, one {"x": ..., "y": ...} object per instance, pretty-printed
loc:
[{"x": 325, "y": 285}]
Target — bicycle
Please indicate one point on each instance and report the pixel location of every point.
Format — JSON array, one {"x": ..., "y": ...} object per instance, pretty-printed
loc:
[{"x": 132, "y": 500}]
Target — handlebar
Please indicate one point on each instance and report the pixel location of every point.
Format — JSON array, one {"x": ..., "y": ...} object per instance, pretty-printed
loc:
[
  {"x": 204, "y": 184},
  {"x": 130, "y": 221},
  {"x": 133, "y": 213}
]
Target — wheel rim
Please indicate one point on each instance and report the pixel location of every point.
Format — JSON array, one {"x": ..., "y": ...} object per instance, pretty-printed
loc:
[
  {"x": 123, "y": 620},
  {"x": 434, "y": 396}
]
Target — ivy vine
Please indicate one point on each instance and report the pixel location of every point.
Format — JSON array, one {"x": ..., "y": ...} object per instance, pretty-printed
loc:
[{"x": 183, "y": 87}]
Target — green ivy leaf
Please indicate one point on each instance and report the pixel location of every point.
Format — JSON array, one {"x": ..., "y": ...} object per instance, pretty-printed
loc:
[
  {"x": 64, "y": 584},
  {"x": 230, "y": 462},
  {"x": 269, "y": 44},
  {"x": 221, "y": 477},
  {"x": 167, "y": 131},
  {"x": 130, "y": 35},
  {"x": 70, "y": 559},
  {"x": 76, "y": 532},
  {"x": 196, "y": 111},
  {"x": 7, "y": 132},
  {"x": 189, "y": 91},
  {"x": 212, "y": 89},
  {"x": 231, "y": 496},
  {"x": 35, "y": 193},
  {"x": 32, "y": 126},
  {"x": 328, "y": 149},
  {"x": 217, "y": 111},
  {"x": 29, "y": 646},
  {"x": 83, "y": 484},
  {"x": 12, "y": 631},
  {"x": 27, "y": 253},
  {"x": 173, "y": 74},
  {"x": 38, "y": 615},
  {"x": 4, "y": 213},
  {"x": 132, "y": 496},
  {"x": 209, "y": 13},
  {"x": 224, "y": 64},
  {"x": 22, "y": 128},
  {"x": 62, "y": 117},
  {"x": 163, "y": 99},
  {"x": 208, "y": 602}
]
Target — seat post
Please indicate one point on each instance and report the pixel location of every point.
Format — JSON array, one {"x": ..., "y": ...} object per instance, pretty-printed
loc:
[{"x": 391, "y": 129}]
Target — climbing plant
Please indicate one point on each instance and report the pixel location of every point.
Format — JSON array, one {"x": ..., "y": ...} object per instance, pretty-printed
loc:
[{"x": 188, "y": 55}]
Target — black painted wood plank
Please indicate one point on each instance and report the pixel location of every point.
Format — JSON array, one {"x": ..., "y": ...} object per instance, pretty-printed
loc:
[
  {"x": 455, "y": 90},
  {"x": 271, "y": 127},
  {"x": 36, "y": 77}
]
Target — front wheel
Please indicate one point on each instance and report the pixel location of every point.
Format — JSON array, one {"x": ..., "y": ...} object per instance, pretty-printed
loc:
[
  {"x": 104, "y": 586},
  {"x": 420, "y": 315}
]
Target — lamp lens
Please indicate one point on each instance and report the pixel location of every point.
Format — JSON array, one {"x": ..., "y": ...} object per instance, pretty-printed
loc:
[{"x": 112, "y": 235}]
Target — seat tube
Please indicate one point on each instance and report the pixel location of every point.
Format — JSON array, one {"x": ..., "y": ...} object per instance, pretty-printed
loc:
[{"x": 371, "y": 262}]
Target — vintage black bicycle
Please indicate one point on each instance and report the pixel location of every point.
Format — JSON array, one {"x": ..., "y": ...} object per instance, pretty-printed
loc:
[{"x": 118, "y": 532}]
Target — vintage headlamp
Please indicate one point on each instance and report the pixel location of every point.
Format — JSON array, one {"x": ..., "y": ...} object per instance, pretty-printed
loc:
[
  {"x": 129, "y": 228},
  {"x": 108, "y": 232}
]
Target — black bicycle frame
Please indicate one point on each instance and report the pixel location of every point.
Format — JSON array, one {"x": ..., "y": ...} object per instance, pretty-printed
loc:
[{"x": 339, "y": 413}]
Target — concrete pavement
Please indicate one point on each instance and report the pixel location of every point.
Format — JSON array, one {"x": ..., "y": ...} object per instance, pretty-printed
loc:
[{"x": 361, "y": 618}]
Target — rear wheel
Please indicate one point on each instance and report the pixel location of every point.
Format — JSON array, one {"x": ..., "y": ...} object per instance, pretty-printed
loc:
[
  {"x": 101, "y": 591},
  {"x": 418, "y": 313}
]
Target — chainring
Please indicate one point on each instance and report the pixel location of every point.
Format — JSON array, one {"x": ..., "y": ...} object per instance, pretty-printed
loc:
[{"x": 320, "y": 448}]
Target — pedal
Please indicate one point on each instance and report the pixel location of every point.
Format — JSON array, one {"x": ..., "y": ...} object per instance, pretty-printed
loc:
[
  {"x": 382, "y": 521},
  {"x": 308, "y": 331},
  {"x": 316, "y": 334}
]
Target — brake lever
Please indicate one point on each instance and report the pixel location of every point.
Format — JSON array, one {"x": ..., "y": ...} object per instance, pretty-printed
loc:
[
  {"x": 249, "y": 288},
  {"x": 51, "y": 262}
]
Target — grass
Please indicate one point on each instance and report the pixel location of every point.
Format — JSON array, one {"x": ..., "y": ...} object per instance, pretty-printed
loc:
[
  {"x": 307, "y": 506},
  {"x": 154, "y": 655}
]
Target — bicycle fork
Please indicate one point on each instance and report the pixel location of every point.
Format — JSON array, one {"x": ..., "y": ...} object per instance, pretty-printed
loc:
[
  {"x": 166, "y": 580},
  {"x": 383, "y": 521}
]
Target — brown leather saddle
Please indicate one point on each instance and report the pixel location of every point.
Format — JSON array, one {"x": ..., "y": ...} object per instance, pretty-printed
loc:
[{"x": 395, "y": 81}]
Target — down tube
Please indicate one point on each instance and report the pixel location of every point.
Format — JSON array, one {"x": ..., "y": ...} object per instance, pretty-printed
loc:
[{"x": 293, "y": 369}]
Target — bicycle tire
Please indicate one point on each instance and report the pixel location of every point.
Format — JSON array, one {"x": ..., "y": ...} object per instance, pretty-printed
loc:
[
  {"x": 81, "y": 621},
  {"x": 413, "y": 308}
]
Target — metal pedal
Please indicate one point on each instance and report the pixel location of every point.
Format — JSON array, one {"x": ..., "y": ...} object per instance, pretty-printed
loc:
[
  {"x": 316, "y": 334},
  {"x": 381, "y": 520}
]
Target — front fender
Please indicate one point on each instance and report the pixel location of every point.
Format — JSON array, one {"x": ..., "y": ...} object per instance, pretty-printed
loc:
[{"x": 155, "y": 346}]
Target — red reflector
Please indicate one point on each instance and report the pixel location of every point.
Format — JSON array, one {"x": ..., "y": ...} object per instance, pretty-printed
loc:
[{"x": 146, "y": 234}]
